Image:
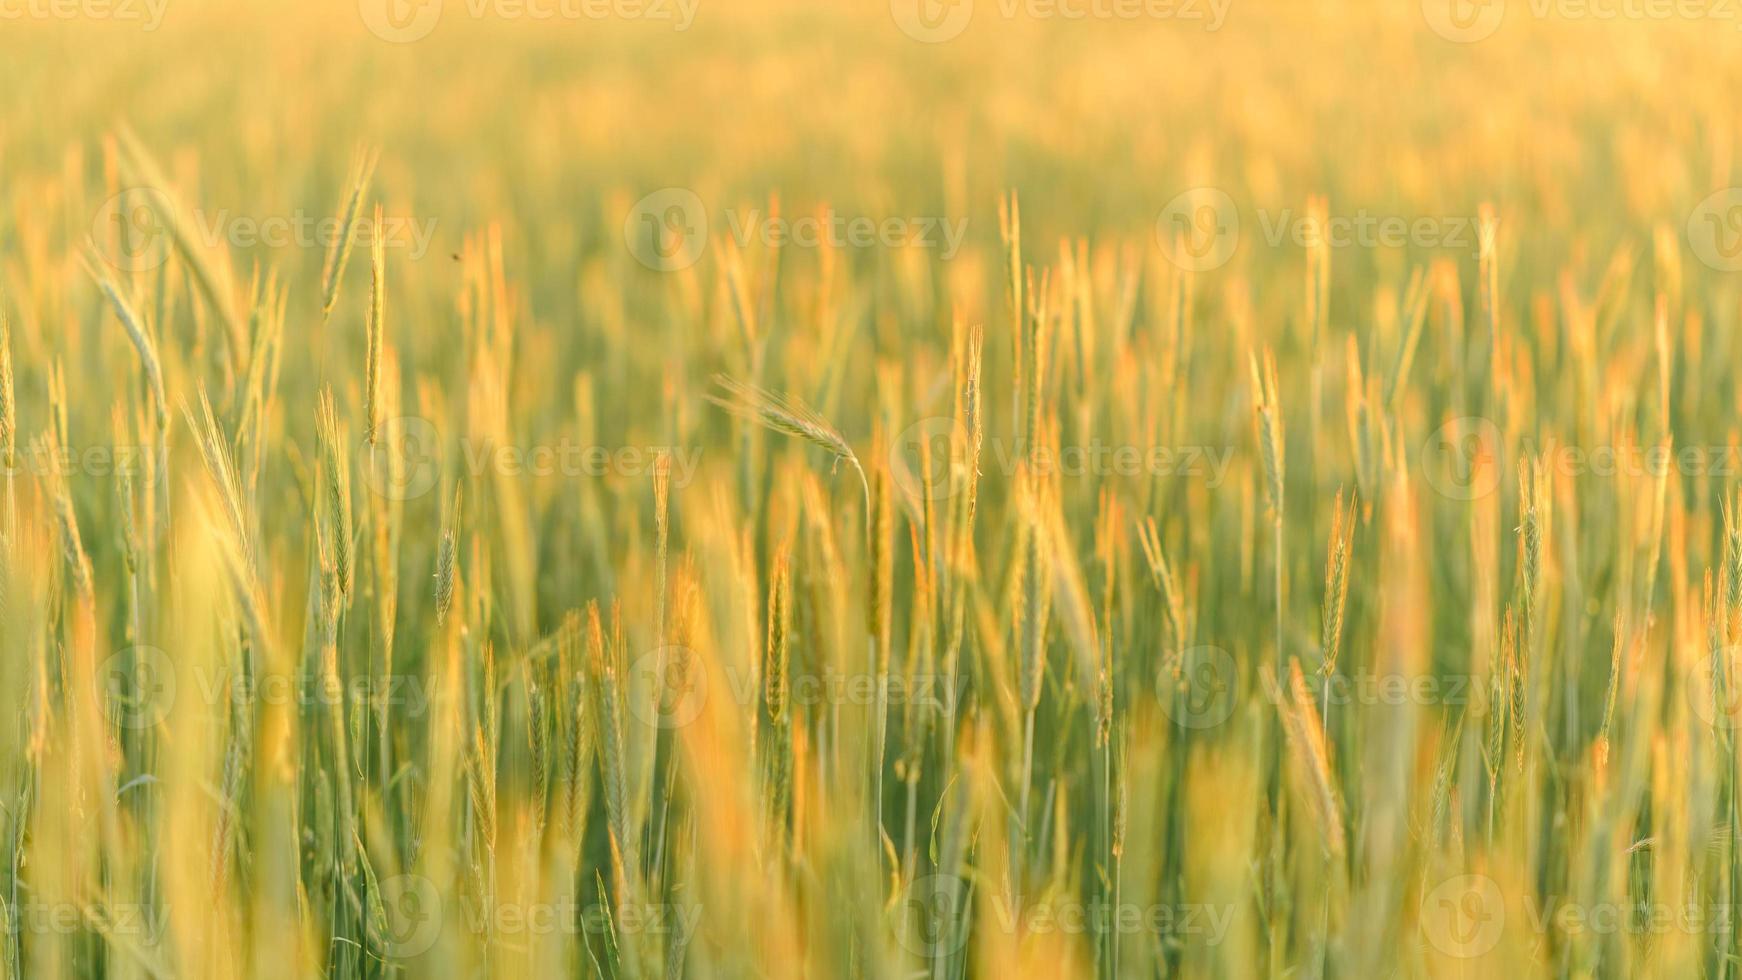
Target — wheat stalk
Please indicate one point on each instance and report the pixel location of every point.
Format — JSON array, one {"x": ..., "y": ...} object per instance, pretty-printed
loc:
[
  {"x": 339, "y": 254},
  {"x": 376, "y": 334},
  {"x": 788, "y": 416}
]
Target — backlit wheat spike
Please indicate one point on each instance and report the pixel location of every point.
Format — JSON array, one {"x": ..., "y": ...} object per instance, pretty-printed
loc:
[
  {"x": 1036, "y": 350},
  {"x": 578, "y": 721},
  {"x": 736, "y": 283},
  {"x": 140, "y": 337},
  {"x": 447, "y": 556},
  {"x": 776, "y": 688},
  {"x": 880, "y": 519},
  {"x": 376, "y": 333},
  {"x": 214, "y": 449},
  {"x": 1732, "y": 516},
  {"x": 1415, "y": 305},
  {"x": 245, "y": 588},
  {"x": 59, "y": 432},
  {"x": 613, "y": 762},
  {"x": 1533, "y": 503},
  {"x": 788, "y": 416},
  {"x": 335, "y": 456},
  {"x": 1269, "y": 428},
  {"x": 340, "y": 252},
  {"x": 1360, "y": 412},
  {"x": 1173, "y": 603},
  {"x": 1035, "y": 595},
  {"x": 661, "y": 550},
  {"x": 1613, "y": 686},
  {"x": 66, "y": 519},
  {"x": 779, "y": 628},
  {"x": 1033, "y": 605},
  {"x": 8, "y": 407},
  {"x": 144, "y": 173},
  {"x": 879, "y": 598},
  {"x": 1713, "y": 620},
  {"x": 1306, "y": 739},
  {"x": 1518, "y": 677},
  {"x": 481, "y": 786},
  {"x": 8, "y": 459},
  {"x": 1451, "y": 740},
  {"x": 538, "y": 746},
  {"x": 1497, "y": 707},
  {"x": 973, "y": 418},
  {"x": 1336, "y": 583}
]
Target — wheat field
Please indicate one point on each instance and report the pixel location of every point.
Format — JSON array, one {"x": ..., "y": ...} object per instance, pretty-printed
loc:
[{"x": 926, "y": 488}]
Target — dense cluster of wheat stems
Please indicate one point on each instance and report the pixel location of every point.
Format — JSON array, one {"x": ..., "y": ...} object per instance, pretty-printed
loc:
[{"x": 1081, "y": 691}]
